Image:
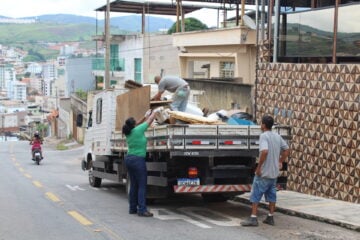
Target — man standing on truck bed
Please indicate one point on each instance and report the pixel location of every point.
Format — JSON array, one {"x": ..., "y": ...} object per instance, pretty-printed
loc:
[
  {"x": 273, "y": 151},
  {"x": 176, "y": 85}
]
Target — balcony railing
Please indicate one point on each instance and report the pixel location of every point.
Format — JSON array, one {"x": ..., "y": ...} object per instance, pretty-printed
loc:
[{"x": 116, "y": 64}]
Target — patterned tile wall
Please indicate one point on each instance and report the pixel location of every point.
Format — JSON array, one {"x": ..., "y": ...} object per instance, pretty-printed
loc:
[{"x": 322, "y": 104}]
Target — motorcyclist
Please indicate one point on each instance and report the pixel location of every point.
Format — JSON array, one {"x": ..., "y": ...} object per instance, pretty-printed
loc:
[{"x": 36, "y": 142}]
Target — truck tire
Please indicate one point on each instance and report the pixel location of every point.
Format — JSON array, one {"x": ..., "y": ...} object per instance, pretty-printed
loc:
[
  {"x": 94, "y": 181},
  {"x": 216, "y": 197}
]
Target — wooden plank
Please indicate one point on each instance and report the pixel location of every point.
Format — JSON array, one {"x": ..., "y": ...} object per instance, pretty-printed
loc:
[
  {"x": 133, "y": 103},
  {"x": 155, "y": 104},
  {"x": 191, "y": 118},
  {"x": 132, "y": 84}
]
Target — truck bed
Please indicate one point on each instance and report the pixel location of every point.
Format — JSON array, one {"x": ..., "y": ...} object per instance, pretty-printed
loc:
[{"x": 183, "y": 137}]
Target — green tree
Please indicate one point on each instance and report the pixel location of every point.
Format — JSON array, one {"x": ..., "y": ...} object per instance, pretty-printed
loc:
[
  {"x": 81, "y": 94},
  {"x": 34, "y": 56},
  {"x": 191, "y": 24}
]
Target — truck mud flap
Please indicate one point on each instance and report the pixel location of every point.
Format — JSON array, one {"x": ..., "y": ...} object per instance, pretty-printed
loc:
[
  {"x": 282, "y": 179},
  {"x": 156, "y": 171}
]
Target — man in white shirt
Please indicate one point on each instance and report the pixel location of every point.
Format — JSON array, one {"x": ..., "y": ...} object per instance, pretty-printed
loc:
[{"x": 273, "y": 152}]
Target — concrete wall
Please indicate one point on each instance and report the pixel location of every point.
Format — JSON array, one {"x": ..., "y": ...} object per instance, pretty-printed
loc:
[
  {"x": 159, "y": 54},
  {"x": 78, "y": 106},
  {"x": 79, "y": 75},
  {"x": 130, "y": 48},
  {"x": 214, "y": 99},
  {"x": 64, "y": 118}
]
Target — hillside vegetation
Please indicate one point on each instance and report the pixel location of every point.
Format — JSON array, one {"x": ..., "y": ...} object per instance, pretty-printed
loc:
[
  {"x": 33, "y": 38},
  {"x": 45, "y": 32},
  {"x": 58, "y": 28}
]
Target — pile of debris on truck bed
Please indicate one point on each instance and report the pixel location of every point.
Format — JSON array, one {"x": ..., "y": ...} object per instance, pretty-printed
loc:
[
  {"x": 193, "y": 114},
  {"x": 237, "y": 117}
]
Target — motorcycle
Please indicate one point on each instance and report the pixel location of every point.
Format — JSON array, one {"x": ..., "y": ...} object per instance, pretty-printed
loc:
[
  {"x": 36, "y": 150},
  {"x": 37, "y": 155}
]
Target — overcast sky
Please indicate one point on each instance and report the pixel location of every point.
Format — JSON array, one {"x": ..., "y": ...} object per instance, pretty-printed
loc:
[{"x": 30, "y": 8}]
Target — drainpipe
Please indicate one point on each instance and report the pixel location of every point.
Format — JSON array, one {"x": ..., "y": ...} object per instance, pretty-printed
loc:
[{"x": 276, "y": 30}]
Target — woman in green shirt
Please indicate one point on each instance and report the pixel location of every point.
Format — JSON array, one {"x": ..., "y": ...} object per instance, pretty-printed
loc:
[{"x": 135, "y": 162}]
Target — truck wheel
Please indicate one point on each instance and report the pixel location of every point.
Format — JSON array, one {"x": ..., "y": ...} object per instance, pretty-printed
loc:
[
  {"x": 217, "y": 197},
  {"x": 94, "y": 181}
]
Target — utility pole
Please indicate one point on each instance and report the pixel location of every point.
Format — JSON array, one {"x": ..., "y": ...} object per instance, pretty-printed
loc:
[
  {"x": 57, "y": 112},
  {"x": 242, "y": 12},
  {"x": 3, "y": 127},
  {"x": 56, "y": 99},
  {"x": 107, "y": 46}
]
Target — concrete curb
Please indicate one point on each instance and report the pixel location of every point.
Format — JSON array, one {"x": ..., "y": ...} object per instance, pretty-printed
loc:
[{"x": 301, "y": 214}]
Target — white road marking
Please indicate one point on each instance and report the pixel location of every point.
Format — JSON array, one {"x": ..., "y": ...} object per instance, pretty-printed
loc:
[
  {"x": 74, "y": 188},
  {"x": 169, "y": 215},
  {"x": 228, "y": 221}
]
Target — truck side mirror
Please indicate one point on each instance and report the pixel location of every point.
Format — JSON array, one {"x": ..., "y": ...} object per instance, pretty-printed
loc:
[{"x": 79, "y": 120}]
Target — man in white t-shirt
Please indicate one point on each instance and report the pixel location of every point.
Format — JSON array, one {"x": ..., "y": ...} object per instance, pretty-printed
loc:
[
  {"x": 176, "y": 85},
  {"x": 273, "y": 152}
]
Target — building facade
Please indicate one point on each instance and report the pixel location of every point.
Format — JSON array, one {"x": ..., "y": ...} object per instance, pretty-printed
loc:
[
  {"x": 316, "y": 92},
  {"x": 138, "y": 57},
  {"x": 78, "y": 75}
]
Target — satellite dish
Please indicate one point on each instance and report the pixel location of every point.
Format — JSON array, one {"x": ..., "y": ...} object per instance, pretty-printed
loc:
[{"x": 249, "y": 22}]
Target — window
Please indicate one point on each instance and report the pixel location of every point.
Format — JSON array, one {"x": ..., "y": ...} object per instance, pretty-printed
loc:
[
  {"x": 303, "y": 39},
  {"x": 98, "y": 110},
  {"x": 227, "y": 69}
]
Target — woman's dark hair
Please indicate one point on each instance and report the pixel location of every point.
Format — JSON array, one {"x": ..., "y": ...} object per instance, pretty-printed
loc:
[
  {"x": 268, "y": 121},
  {"x": 128, "y": 126}
]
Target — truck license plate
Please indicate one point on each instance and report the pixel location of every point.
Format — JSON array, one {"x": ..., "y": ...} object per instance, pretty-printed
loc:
[{"x": 188, "y": 181}]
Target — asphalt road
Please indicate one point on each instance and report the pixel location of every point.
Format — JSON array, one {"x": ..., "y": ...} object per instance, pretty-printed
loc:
[{"x": 54, "y": 201}]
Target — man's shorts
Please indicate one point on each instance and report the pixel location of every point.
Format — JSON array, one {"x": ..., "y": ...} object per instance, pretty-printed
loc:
[{"x": 263, "y": 186}]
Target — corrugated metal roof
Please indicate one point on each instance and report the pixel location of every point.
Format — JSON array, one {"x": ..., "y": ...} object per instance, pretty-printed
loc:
[
  {"x": 169, "y": 7},
  {"x": 157, "y": 8}
]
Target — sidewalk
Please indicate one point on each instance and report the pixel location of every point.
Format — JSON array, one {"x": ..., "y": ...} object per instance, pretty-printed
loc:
[
  {"x": 344, "y": 214},
  {"x": 52, "y": 143}
]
